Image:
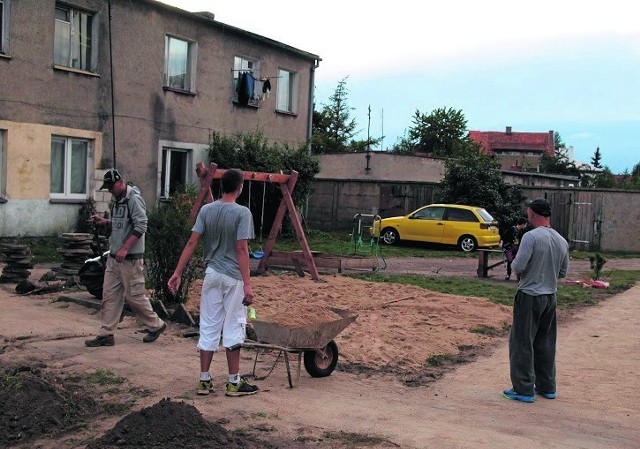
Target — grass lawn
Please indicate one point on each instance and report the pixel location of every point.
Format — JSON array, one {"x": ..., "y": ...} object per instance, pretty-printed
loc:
[
  {"x": 45, "y": 250},
  {"x": 568, "y": 295}
]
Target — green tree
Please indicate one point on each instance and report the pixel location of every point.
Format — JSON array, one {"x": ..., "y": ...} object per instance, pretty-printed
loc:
[
  {"x": 253, "y": 152},
  {"x": 604, "y": 180},
  {"x": 474, "y": 179},
  {"x": 443, "y": 132},
  {"x": 333, "y": 127},
  {"x": 557, "y": 140},
  {"x": 559, "y": 163},
  {"x": 596, "y": 160}
]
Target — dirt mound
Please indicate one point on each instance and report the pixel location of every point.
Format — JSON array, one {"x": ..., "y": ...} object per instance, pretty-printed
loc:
[
  {"x": 170, "y": 424},
  {"x": 35, "y": 406},
  {"x": 401, "y": 329}
]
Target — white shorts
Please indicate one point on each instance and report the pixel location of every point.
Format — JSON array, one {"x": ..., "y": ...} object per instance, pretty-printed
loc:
[{"x": 221, "y": 311}]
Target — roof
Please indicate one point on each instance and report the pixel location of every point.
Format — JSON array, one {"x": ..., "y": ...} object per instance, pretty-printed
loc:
[
  {"x": 516, "y": 141},
  {"x": 209, "y": 17}
]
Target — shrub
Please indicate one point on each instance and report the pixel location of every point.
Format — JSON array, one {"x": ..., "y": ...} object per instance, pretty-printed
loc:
[
  {"x": 168, "y": 230},
  {"x": 253, "y": 152}
]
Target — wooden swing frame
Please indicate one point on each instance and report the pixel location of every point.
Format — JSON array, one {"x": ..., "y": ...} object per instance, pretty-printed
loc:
[{"x": 286, "y": 183}]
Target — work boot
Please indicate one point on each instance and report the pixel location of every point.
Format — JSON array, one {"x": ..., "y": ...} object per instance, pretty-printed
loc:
[
  {"x": 100, "y": 340},
  {"x": 153, "y": 335}
]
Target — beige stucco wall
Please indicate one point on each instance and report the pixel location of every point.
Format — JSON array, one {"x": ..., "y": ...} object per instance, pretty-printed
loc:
[
  {"x": 28, "y": 210},
  {"x": 28, "y": 147},
  {"x": 383, "y": 167}
]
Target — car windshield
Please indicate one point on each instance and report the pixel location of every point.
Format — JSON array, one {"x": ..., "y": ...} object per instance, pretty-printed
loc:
[{"x": 486, "y": 216}]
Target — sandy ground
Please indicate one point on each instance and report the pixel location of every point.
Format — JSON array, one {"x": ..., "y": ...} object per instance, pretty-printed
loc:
[{"x": 396, "y": 331}]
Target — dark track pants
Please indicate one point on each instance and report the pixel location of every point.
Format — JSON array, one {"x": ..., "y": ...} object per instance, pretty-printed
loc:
[{"x": 532, "y": 344}]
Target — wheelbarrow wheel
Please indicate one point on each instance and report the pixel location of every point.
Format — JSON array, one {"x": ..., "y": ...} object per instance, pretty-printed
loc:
[{"x": 322, "y": 362}]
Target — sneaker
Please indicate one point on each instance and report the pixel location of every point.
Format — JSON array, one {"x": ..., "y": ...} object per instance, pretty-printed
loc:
[
  {"x": 153, "y": 335},
  {"x": 205, "y": 386},
  {"x": 506, "y": 278},
  {"x": 100, "y": 340},
  {"x": 544, "y": 394},
  {"x": 242, "y": 388},
  {"x": 511, "y": 394}
]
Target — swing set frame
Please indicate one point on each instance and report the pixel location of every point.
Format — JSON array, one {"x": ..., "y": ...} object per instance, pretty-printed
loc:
[{"x": 287, "y": 184}]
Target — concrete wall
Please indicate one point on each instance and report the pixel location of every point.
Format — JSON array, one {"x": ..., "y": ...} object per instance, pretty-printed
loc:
[
  {"x": 607, "y": 220},
  {"x": 621, "y": 221},
  {"x": 383, "y": 167}
]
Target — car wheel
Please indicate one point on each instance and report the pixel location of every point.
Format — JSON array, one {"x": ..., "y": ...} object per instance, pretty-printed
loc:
[
  {"x": 467, "y": 243},
  {"x": 390, "y": 236}
]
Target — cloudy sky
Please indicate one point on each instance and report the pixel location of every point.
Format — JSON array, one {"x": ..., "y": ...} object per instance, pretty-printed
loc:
[{"x": 568, "y": 66}]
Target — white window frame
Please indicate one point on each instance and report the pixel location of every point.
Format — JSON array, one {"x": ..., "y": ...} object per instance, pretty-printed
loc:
[
  {"x": 5, "y": 7},
  {"x": 287, "y": 98},
  {"x": 251, "y": 65},
  {"x": 196, "y": 153},
  {"x": 3, "y": 164},
  {"x": 189, "y": 83},
  {"x": 165, "y": 169},
  {"x": 66, "y": 194},
  {"x": 72, "y": 57}
]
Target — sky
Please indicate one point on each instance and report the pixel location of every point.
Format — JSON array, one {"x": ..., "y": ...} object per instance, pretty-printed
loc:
[{"x": 568, "y": 66}]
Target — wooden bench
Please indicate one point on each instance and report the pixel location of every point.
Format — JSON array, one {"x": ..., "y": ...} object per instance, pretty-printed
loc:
[{"x": 483, "y": 262}]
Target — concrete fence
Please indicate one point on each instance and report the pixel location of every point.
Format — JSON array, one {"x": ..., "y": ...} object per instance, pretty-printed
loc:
[{"x": 591, "y": 220}]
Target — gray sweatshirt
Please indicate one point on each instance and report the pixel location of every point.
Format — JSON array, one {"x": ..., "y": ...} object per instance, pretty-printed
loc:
[
  {"x": 128, "y": 216},
  {"x": 543, "y": 258}
]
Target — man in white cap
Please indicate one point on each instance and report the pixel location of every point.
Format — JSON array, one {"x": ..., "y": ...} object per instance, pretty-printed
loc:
[
  {"x": 543, "y": 258},
  {"x": 124, "y": 276}
]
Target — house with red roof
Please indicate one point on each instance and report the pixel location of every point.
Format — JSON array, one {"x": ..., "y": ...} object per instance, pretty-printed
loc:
[{"x": 516, "y": 151}]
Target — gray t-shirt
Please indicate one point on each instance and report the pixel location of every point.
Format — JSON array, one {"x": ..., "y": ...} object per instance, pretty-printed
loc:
[
  {"x": 543, "y": 258},
  {"x": 222, "y": 224}
]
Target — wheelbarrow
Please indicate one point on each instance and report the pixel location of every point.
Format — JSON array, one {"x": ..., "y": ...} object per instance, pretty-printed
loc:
[{"x": 312, "y": 343}]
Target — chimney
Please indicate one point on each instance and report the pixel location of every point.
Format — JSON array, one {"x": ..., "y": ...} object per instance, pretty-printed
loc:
[{"x": 508, "y": 130}]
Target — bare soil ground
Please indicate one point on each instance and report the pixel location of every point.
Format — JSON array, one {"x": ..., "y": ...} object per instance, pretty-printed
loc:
[{"x": 382, "y": 394}]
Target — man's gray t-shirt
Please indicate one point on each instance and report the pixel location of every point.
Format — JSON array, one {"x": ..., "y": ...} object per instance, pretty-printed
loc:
[
  {"x": 222, "y": 224},
  {"x": 542, "y": 258}
]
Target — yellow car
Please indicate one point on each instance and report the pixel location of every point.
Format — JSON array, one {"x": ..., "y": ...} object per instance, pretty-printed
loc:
[{"x": 467, "y": 227}]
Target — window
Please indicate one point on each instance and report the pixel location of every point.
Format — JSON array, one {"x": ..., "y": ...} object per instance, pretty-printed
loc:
[
  {"x": 70, "y": 162},
  {"x": 287, "y": 91},
  {"x": 250, "y": 67},
  {"x": 4, "y": 26},
  {"x": 176, "y": 163},
  {"x": 460, "y": 215},
  {"x": 179, "y": 64},
  {"x": 430, "y": 213},
  {"x": 73, "y": 41}
]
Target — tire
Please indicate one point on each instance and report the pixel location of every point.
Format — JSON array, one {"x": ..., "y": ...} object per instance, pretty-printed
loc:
[
  {"x": 390, "y": 236},
  {"x": 91, "y": 277},
  {"x": 321, "y": 363},
  {"x": 467, "y": 243},
  {"x": 96, "y": 292}
]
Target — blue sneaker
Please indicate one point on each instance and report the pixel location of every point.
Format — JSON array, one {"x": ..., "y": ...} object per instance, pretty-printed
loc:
[
  {"x": 511, "y": 394},
  {"x": 545, "y": 394}
]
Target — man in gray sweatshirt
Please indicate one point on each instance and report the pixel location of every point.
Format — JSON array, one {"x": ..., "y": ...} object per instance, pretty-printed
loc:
[
  {"x": 124, "y": 276},
  {"x": 543, "y": 258}
]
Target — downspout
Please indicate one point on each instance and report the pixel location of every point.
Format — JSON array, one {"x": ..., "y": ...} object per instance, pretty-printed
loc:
[
  {"x": 113, "y": 108},
  {"x": 312, "y": 77}
]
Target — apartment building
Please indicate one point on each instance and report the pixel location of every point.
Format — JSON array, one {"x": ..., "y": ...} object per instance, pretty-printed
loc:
[{"x": 90, "y": 84}]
